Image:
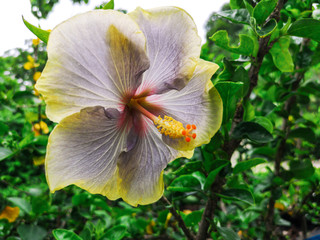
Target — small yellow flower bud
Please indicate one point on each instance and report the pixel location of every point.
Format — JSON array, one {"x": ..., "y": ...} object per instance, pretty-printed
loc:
[
  {"x": 36, "y": 76},
  {"x": 36, "y": 41},
  {"x": 10, "y": 213}
]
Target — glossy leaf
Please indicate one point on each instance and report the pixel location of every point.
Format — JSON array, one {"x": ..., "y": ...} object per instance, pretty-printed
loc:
[
  {"x": 228, "y": 92},
  {"x": 236, "y": 4},
  {"x": 237, "y": 194},
  {"x": 265, "y": 30},
  {"x": 249, "y": 112},
  {"x": 228, "y": 233},
  {"x": 115, "y": 233},
  {"x": 301, "y": 168},
  {"x": 31, "y": 232},
  {"x": 109, "y": 5},
  {"x": 236, "y": 16},
  {"x": 227, "y": 72},
  {"x": 23, "y": 204},
  {"x": 189, "y": 167},
  {"x": 39, "y": 205},
  {"x": 184, "y": 183},
  {"x": 253, "y": 131},
  {"x": 245, "y": 47},
  {"x": 193, "y": 219},
  {"x": 264, "y": 122},
  {"x": 306, "y": 28},
  {"x": 4, "y": 128},
  {"x": 281, "y": 55},
  {"x": 212, "y": 176},
  {"x": 5, "y": 153},
  {"x": 40, "y": 33},
  {"x": 63, "y": 234},
  {"x": 263, "y": 10},
  {"x": 304, "y": 133},
  {"x": 248, "y": 164},
  {"x": 248, "y": 7},
  {"x": 241, "y": 75}
]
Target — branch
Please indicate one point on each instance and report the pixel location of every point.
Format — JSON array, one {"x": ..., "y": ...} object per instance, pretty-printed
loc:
[
  {"x": 177, "y": 216},
  {"x": 230, "y": 146},
  {"x": 269, "y": 220},
  {"x": 264, "y": 47},
  {"x": 210, "y": 207}
]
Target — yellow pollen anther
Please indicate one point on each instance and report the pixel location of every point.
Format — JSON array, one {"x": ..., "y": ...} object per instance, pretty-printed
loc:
[{"x": 174, "y": 129}]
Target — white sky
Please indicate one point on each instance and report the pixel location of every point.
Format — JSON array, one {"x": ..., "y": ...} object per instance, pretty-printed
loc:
[{"x": 14, "y": 33}]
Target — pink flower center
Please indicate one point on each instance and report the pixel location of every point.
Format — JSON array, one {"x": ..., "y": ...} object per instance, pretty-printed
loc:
[{"x": 137, "y": 110}]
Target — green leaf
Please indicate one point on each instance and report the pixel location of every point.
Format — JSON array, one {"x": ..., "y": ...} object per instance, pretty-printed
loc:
[
  {"x": 39, "y": 205},
  {"x": 263, "y": 10},
  {"x": 245, "y": 47},
  {"x": 249, "y": 112},
  {"x": 253, "y": 131},
  {"x": 228, "y": 233},
  {"x": 237, "y": 194},
  {"x": 189, "y": 167},
  {"x": 86, "y": 233},
  {"x": 115, "y": 233},
  {"x": 228, "y": 92},
  {"x": 21, "y": 203},
  {"x": 31, "y": 232},
  {"x": 264, "y": 122},
  {"x": 185, "y": 183},
  {"x": 248, "y": 7},
  {"x": 265, "y": 30},
  {"x": 4, "y": 128},
  {"x": 241, "y": 75},
  {"x": 301, "y": 169},
  {"x": 41, "y": 34},
  {"x": 306, "y": 28},
  {"x": 227, "y": 72},
  {"x": 236, "y": 16},
  {"x": 281, "y": 55},
  {"x": 41, "y": 140},
  {"x": 109, "y": 5},
  {"x": 26, "y": 141},
  {"x": 306, "y": 134},
  {"x": 212, "y": 176},
  {"x": 5, "y": 153},
  {"x": 236, "y": 4},
  {"x": 248, "y": 164},
  {"x": 63, "y": 234},
  {"x": 193, "y": 219}
]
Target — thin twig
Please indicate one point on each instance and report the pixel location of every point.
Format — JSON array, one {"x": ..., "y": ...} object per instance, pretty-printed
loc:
[
  {"x": 210, "y": 208},
  {"x": 177, "y": 216}
]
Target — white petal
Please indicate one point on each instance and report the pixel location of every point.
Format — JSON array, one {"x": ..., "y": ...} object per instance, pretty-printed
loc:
[
  {"x": 140, "y": 169},
  {"x": 198, "y": 103},
  {"x": 94, "y": 59},
  {"x": 83, "y": 149},
  {"x": 173, "y": 46}
]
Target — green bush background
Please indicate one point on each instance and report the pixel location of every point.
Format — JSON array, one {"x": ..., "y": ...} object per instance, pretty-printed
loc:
[{"x": 259, "y": 176}]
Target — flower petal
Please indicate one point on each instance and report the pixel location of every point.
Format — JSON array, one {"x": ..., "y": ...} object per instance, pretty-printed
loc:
[
  {"x": 94, "y": 59},
  {"x": 83, "y": 149},
  {"x": 198, "y": 103},
  {"x": 140, "y": 169},
  {"x": 173, "y": 45}
]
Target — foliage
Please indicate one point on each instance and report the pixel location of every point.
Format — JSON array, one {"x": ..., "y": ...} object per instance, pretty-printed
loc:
[
  {"x": 41, "y": 8},
  {"x": 259, "y": 176}
]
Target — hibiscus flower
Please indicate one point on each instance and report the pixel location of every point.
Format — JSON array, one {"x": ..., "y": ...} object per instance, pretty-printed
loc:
[{"x": 130, "y": 94}]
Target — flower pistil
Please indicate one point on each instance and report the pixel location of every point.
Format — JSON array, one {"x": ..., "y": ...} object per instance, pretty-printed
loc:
[{"x": 167, "y": 125}]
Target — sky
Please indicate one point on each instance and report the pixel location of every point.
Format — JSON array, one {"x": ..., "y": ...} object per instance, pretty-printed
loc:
[{"x": 14, "y": 33}]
